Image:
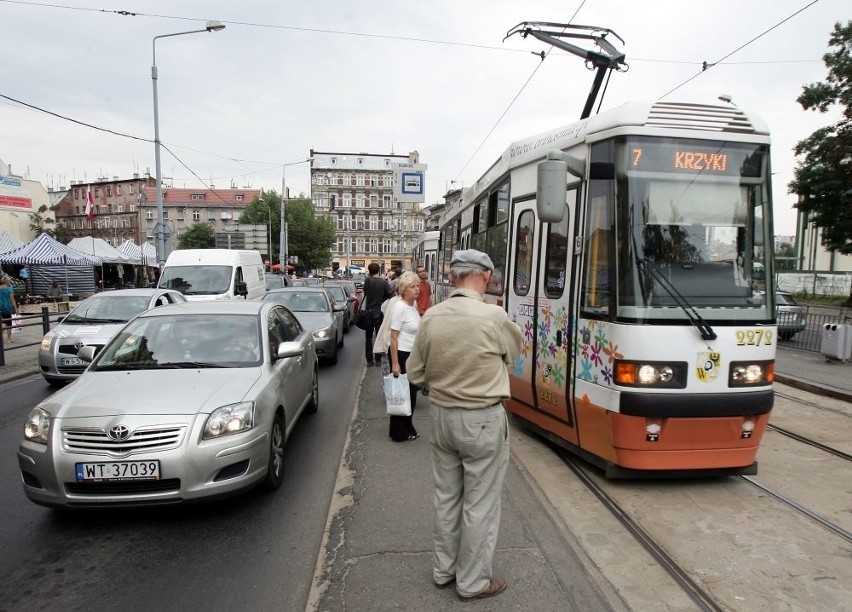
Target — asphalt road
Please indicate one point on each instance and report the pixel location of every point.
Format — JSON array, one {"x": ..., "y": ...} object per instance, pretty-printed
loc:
[{"x": 254, "y": 552}]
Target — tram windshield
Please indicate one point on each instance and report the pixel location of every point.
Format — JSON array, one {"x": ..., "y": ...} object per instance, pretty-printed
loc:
[{"x": 692, "y": 226}]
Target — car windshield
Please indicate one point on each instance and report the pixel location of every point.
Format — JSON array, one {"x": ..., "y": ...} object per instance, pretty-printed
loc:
[
  {"x": 337, "y": 292},
  {"x": 300, "y": 301},
  {"x": 785, "y": 299},
  {"x": 184, "y": 341},
  {"x": 106, "y": 308},
  {"x": 197, "y": 280}
]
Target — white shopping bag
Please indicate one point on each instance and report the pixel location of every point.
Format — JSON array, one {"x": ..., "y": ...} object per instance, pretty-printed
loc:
[
  {"x": 16, "y": 324},
  {"x": 397, "y": 395}
]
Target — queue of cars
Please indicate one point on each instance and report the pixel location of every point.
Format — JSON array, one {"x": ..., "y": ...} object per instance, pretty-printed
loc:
[{"x": 177, "y": 401}]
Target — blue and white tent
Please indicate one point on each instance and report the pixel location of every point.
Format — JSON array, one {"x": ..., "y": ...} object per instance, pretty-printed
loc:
[
  {"x": 9, "y": 242},
  {"x": 49, "y": 260}
]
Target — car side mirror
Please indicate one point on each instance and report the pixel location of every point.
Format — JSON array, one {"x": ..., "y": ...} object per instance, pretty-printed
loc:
[
  {"x": 241, "y": 288},
  {"x": 289, "y": 349},
  {"x": 86, "y": 353}
]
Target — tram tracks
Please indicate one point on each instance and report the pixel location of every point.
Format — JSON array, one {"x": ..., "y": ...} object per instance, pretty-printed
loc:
[
  {"x": 700, "y": 597},
  {"x": 810, "y": 442},
  {"x": 800, "y": 400}
]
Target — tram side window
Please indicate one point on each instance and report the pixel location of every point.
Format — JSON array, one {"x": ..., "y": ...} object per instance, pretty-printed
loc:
[
  {"x": 524, "y": 240},
  {"x": 558, "y": 252},
  {"x": 597, "y": 247},
  {"x": 449, "y": 246}
]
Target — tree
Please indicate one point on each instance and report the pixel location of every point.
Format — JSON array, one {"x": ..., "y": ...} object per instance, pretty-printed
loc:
[
  {"x": 785, "y": 257},
  {"x": 265, "y": 210},
  {"x": 310, "y": 237},
  {"x": 823, "y": 179},
  {"x": 41, "y": 222},
  {"x": 198, "y": 236}
]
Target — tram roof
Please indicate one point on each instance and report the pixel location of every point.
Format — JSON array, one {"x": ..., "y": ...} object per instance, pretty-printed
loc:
[{"x": 688, "y": 119}]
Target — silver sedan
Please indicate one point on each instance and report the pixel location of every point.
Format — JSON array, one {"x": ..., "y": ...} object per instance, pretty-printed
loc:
[
  {"x": 94, "y": 322},
  {"x": 188, "y": 402}
]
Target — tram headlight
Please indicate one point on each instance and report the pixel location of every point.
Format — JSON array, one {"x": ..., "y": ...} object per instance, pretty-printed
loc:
[
  {"x": 650, "y": 374},
  {"x": 751, "y": 373}
]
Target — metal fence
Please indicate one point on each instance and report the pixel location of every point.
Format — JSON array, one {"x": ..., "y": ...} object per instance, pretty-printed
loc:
[
  {"x": 816, "y": 318},
  {"x": 42, "y": 320}
]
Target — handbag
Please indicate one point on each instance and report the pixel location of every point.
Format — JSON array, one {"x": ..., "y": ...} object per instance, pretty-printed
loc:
[
  {"x": 397, "y": 395},
  {"x": 362, "y": 321}
]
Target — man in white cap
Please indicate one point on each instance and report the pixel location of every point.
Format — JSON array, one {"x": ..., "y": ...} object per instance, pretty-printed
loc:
[{"x": 461, "y": 353}]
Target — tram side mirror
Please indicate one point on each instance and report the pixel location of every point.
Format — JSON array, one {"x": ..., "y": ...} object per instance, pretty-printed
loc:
[{"x": 552, "y": 190}]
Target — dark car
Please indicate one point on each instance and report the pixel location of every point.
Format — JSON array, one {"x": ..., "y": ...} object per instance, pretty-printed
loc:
[
  {"x": 315, "y": 311},
  {"x": 341, "y": 297},
  {"x": 790, "y": 314},
  {"x": 277, "y": 281}
]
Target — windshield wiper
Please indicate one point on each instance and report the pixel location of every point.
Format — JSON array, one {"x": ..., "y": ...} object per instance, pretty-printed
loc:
[
  {"x": 86, "y": 320},
  {"x": 126, "y": 365},
  {"x": 692, "y": 314},
  {"x": 190, "y": 364}
]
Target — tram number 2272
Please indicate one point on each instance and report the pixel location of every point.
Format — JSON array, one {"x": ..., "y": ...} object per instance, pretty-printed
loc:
[{"x": 753, "y": 337}]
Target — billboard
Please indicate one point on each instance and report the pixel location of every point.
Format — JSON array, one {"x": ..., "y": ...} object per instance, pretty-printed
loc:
[{"x": 14, "y": 194}]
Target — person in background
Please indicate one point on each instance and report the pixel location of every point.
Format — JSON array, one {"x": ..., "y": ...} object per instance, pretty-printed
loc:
[
  {"x": 424, "y": 298},
  {"x": 461, "y": 353},
  {"x": 8, "y": 305},
  {"x": 54, "y": 290},
  {"x": 376, "y": 291},
  {"x": 404, "y": 321}
]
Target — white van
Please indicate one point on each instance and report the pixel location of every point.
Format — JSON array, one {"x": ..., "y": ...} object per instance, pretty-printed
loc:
[{"x": 214, "y": 274}]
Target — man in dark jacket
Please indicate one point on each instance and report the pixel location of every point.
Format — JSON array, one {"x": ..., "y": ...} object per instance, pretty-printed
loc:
[{"x": 376, "y": 291}]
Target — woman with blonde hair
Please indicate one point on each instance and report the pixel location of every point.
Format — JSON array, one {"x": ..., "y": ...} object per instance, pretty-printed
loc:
[{"x": 403, "y": 321}]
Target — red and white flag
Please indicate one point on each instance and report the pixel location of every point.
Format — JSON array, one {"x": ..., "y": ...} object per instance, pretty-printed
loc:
[{"x": 90, "y": 204}]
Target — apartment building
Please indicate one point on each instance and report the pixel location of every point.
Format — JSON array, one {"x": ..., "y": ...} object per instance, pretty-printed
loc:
[
  {"x": 356, "y": 190},
  {"x": 115, "y": 207}
]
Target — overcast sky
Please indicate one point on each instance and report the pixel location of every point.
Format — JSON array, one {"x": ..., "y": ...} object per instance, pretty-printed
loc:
[{"x": 376, "y": 76}]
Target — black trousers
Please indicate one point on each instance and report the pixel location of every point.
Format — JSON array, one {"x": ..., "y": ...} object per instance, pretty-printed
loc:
[{"x": 402, "y": 427}]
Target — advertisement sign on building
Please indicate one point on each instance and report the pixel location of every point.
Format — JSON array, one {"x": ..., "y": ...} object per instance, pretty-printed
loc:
[{"x": 13, "y": 193}]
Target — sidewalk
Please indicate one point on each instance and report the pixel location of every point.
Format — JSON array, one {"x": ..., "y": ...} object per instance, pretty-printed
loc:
[
  {"x": 379, "y": 553},
  {"x": 21, "y": 356}
]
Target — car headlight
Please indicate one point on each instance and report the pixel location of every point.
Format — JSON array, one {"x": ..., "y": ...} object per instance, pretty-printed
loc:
[
  {"x": 230, "y": 419},
  {"x": 47, "y": 341},
  {"x": 37, "y": 427},
  {"x": 750, "y": 374},
  {"x": 325, "y": 332},
  {"x": 650, "y": 374}
]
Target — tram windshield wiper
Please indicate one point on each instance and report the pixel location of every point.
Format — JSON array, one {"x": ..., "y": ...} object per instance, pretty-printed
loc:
[{"x": 692, "y": 314}]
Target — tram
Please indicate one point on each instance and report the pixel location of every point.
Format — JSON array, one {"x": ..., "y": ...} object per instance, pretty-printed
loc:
[
  {"x": 633, "y": 249},
  {"x": 425, "y": 253}
]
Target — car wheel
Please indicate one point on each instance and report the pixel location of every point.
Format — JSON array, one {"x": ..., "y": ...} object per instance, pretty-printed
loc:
[
  {"x": 786, "y": 335},
  {"x": 275, "y": 468},
  {"x": 340, "y": 344},
  {"x": 55, "y": 383},
  {"x": 313, "y": 405},
  {"x": 333, "y": 359}
]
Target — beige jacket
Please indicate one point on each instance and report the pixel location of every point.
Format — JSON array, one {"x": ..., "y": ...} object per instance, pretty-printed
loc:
[
  {"x": 382, "y": 343},
  {"x": 462, "y": 351}
]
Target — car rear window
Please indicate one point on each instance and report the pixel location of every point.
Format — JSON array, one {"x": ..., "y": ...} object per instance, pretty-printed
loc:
[{"x": 785, "y": 299}]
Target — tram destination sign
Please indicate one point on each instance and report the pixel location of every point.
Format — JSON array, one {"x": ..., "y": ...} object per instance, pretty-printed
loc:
[{"x": 687, "y": 156}]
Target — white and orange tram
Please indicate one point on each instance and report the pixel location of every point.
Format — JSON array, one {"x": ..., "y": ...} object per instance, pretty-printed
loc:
[{"x": 633, "y": 248}]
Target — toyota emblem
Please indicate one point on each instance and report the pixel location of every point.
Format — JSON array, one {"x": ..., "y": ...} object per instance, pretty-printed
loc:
[{"x": 118, "y": 433}]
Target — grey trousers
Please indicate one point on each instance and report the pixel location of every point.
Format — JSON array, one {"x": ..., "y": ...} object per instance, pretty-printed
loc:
[{"x": 470, "y": 453}]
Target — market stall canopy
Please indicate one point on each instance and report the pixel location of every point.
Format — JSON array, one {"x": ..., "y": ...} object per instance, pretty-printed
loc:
[
  {"x": 103, "y": 249},
  {"x": 47, "y": 251},
  {"x": 9, "y": 242},
  {"x": 145, "y": 254}
]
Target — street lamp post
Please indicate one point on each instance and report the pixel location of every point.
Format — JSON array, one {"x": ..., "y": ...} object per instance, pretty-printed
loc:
[
  {"x": 211, "y": 26},
  {"x": 283, "y": 247}
]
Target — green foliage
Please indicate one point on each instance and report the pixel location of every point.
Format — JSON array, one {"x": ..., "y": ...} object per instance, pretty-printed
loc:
[
  {"x": 198, "y": 236},
  {"x": 823, "y": 179},
  {"x": 310, "y": 237},
  {"x": 785, "y": 257},
  {"x": 42, "y": 222},
  {"x": 264, "y": 210}
]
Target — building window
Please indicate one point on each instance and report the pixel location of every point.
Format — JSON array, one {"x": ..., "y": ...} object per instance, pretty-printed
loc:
[
  {"x": 97, "y": 191},
  {"x": 196, "y": 215},
  {"x": 238, "y": 197},
  {"x": 197, "y": 196},
  {"x": 374, "y": 245},
  {"x": 109, "y": 191},
  {"x": 76, "y": 194},
  {"x": 120, "y": 208},
  {"x": 133, "y": 208},
  {"x": 149, "y": 214},
  {"x": 118, "y": 190},
  {"x": 130, "y": 189},
  {"x": 347, "y": 200},
  {"x": 386, "y": 201},
  {"x": 165, "y": 215}
]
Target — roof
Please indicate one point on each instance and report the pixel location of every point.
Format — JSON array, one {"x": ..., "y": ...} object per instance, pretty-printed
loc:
[
  {"x": 210, "y": 198},
  {"x": 101, "y": 248},
  {"x": 45, "y": 250},
  {"x": 9, "y": 242}
]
